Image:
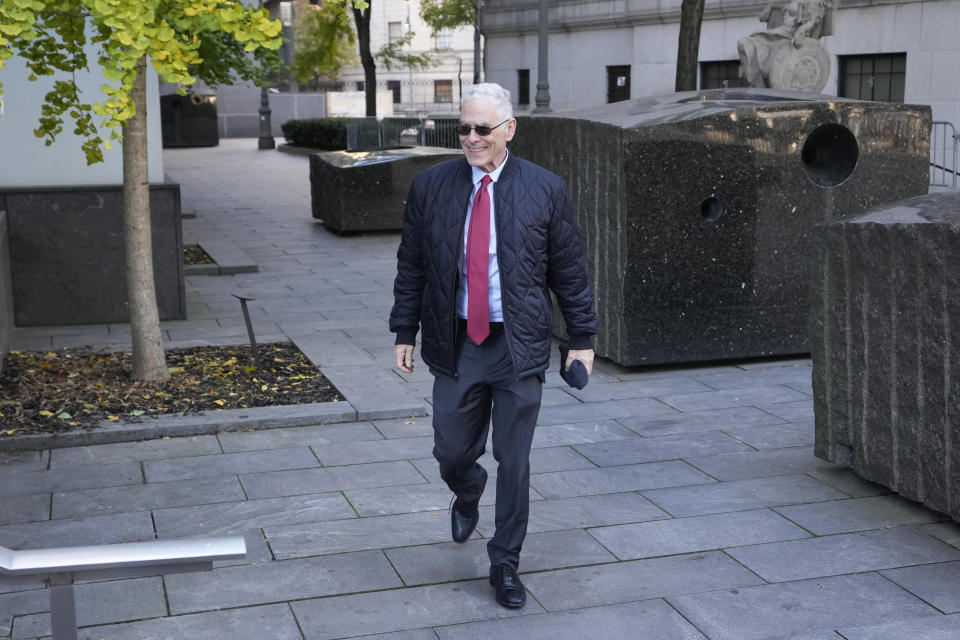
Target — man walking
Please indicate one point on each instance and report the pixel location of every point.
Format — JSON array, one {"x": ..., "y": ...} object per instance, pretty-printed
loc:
[{"x": 485, "y": 238}]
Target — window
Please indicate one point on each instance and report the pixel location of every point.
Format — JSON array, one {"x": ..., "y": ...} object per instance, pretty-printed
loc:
[
  {"x": 443, "y": 39},
  {"x": 394, "y": 31},
  {"x": 394, "y": 85},
  {"x": 359, "y": 85},
  {"x": 717, "y": 75},
  {"x": 443, "y": 90},
  {"x": 873, "y": 77},
  {"x": 618, "y": 83},
  {"x": 523, "y": 86}
]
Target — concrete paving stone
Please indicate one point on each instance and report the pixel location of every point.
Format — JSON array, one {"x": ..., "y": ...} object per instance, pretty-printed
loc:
[
  {"x": 101, "y": 603},
  {"x": 760, "y": 464},
  {"x": 154, "y": 449},
  {"x": 201, "y": 323},
  {"x": 257, "y": 550},
  {"x": 14, "y": 463},
  {"x": 932, "y": 628},
  {"x": 638, "y": 389},
  {"x": 637, "y": 580},
  {"x": 851, "y": 484},
  {"x": 61, "y": 330},
  {"x": 845, "y": 553},
  {"x": 699, "y": 421},
  {"x": 374, "y": 451},
  {"x": 795, "y": 608},
  {"x": 278, "y": 581},
  {"x": 20, "y": 603},
  {"x": 85, "y": 477},
  {"x": 412, "y": 498},
  {"x": 610, "y": 410},
  {"x": 859, "y": 514},
  {"x": 123, "y": 527},
  {"x": 797, "y": 376},
  {"x": 590, "y": 511},
  {"x": 775, "y": 436},
  {"x": 358, "y": 534},
  {"x": 25, "y": 508},
  {"x": 449, "y": 561},
  {"x": 290, "y": 437},
  {"x": 634, "y": 477},
  {"x": 801, "y": 411},
  {"x": 749, "y": 396},
  {"x": 409, "y": 427},
  {"x": 580, "y": 433},
  {"x": 274, "y": 484},
  {"x": 375, "y": 395},
  {"x": 696, "y": 533},
  {"x": 543, "y": 460},
  {"x": 238, "y": 517},
  {"x": 325, "y": 354},
  {"x": 775, "y": 363},
  {"x": 235, "y": 624},
  {"x": 156, "y": 495},
  {"x": 947, "y": 532},
  {"x": 415, "y": 634},
  {"x": 741, "y": 495},
  {"x": 555, "y": 396},
  {"x": 937, "y": 584},
  {"x": 261, "y": 328},
  {"x": 229, "y": 464},
  {"x": 401, "y": 609},
  {"x": 652, "y": 619},
  {"x": 31, "y": 343},
  {"x": 553, "y": 379},
  {"x": 684, "y": 445}
]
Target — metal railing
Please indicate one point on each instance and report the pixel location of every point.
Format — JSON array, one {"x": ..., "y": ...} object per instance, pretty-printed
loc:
[
  {"x": 943, "y": 155},
  {"x": 374, "y": 133},
  {"x": 60, "y": 567}
]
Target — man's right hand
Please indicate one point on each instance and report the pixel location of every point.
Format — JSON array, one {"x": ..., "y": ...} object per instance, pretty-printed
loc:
[{"x": 404, "y": 356}]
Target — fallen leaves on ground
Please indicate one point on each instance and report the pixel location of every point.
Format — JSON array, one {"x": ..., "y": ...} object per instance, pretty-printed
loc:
[
  {"x": 194, "y": 254},
  {"x": 70, "y": 389}
]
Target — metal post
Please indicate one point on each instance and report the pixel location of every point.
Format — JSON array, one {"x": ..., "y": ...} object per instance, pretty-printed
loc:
[
  {"x": 63, "y": 607},
  {"x": 246, "y": 319},
  {"x": 266, "y": 131},
  {"x": 543, "y": 83},
  {"x": 476, "y": 44}
]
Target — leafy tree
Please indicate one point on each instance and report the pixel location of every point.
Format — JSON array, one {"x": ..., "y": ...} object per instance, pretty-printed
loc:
[
  {"x": 688, "y": 46},
  {"x": 180, "y": 38},
  {"x": 324, "y": 42},
  {"x": 448, "y": 14},
  {"x": 392, "y": 54}
]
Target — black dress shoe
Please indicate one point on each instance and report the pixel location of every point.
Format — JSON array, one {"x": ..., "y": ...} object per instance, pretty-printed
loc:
[
  {"x": 463, "y": 520},
  {"x": 510, "y": 591}
]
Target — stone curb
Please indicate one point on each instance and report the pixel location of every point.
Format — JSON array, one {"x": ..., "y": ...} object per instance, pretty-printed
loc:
[{"x": 211, "y": 422}]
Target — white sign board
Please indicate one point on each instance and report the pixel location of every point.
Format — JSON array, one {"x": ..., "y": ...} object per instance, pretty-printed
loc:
[{"x": 353, "y": 104}]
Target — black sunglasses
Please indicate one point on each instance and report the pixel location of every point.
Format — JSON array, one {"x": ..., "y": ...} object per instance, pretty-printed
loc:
[{"x": 464, "y": 129}]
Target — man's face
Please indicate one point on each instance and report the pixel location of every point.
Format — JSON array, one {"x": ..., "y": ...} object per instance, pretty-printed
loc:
[{"x": 485, "y": 152}]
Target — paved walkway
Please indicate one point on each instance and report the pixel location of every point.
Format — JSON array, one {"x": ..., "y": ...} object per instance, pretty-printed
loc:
[{"x": 666, "y": 504}]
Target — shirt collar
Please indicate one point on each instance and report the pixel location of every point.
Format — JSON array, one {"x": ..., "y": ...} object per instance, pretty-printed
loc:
[{"x": 478, "y": 173}]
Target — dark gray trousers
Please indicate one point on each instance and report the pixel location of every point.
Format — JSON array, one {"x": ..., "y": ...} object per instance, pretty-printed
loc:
[{"x": 486, "y": 386}]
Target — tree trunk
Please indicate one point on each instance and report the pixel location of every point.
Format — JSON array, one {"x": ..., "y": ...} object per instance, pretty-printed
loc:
[
  {"x": 149, "y": 362},
  {"x": 688, "y": 49},
  {"x": 362, "y": 18}
]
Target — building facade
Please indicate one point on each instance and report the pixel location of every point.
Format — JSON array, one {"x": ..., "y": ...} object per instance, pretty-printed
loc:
[{"x": 606, "y": 50}]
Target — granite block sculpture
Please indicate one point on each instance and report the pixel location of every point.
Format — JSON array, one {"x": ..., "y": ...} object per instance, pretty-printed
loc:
[
  {"x": 885, "y": 340},
  {"x": 697, "y": 209}
]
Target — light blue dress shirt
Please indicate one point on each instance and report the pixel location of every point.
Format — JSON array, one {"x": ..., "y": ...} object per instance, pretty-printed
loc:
[{"x": 496, "y": 308}]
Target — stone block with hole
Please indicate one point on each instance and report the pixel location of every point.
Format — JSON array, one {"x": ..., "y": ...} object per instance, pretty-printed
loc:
[
  {"x": 885, "y": 340},
  {"x": 697, "y": 209}
]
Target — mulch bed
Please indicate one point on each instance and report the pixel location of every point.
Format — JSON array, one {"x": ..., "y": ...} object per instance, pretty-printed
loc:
[
  {"x": 71, "y": 390},
  {"x": 194, "y": 254}
]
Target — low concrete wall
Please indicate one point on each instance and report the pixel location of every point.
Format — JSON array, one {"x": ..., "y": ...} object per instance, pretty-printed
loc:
[
  {"x": 67, "y": 257},
  {"x": 6, "y": 290},
  {"x": 885, "y": 340}
]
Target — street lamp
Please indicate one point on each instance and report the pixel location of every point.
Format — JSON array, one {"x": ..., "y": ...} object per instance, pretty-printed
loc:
[
  {"x": 266, "y": 131},
  {"x": 543, "y": 84}
]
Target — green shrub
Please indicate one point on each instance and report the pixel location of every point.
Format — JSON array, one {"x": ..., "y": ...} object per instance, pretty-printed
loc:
[{"x": 319, "y": 133}]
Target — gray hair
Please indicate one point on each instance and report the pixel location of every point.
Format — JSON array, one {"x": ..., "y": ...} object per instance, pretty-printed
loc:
[{"x": 491, "y": 93}]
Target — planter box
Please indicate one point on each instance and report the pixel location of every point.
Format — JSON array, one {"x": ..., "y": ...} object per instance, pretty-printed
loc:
[
  {"x": 67, "y": 257},
  {"x": 697, "y": 209},
  {"x": 885, "y": 334},
  {"x": 355, "y": 191}
]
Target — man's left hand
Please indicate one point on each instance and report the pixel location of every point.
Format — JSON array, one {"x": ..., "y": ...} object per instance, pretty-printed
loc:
[{"x": 583, "y": 355}]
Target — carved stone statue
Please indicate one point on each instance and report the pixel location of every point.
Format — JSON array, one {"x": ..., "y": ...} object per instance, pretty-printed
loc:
[{"x": 788, "y": 54}]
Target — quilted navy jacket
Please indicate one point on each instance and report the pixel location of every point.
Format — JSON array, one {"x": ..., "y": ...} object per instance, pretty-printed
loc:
[{"x": 538, "y": 248}]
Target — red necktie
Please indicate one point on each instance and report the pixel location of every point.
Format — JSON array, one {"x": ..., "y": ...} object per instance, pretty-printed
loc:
[{"x": 478, "y": 266}]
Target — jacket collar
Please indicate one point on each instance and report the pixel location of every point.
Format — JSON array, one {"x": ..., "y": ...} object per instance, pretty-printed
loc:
[{"x": 466, "y": 171}]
